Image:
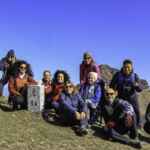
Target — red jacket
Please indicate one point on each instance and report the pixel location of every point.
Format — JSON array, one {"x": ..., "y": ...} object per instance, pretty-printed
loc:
[
  {"x": 56, "y": 91},
  {"x": 47, "y": 87},
  {"x": 16, "y": 84}
]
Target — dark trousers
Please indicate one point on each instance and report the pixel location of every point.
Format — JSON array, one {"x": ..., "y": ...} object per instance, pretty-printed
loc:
[
  {"x": 18, "y": 100},
  {"x": 69, "y": 118},
  {"x": 49, "y": 104},
  {"x": 92, "y": 109},
  {"x": 118, "y": 132},
  {"x": 117, "y": 136},
  {"x": 135, "y": 103}
]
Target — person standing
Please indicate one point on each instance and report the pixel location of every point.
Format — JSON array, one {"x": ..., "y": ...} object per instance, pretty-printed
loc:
[
  {"x": 6, "y": 68},
  {"x": 126, "y": 82},
  {"x": 88, "y": 65}
]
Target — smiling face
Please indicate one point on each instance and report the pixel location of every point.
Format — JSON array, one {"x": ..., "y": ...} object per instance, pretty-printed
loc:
[
  {"x": 110, "y": 95},
  {"x": 22, "y": 68},
  {"x": 60, "y": 78},
  {"x": 69, "y": 88},
  {"x": 47, "y": 76},
  {"x": 127, "y": 68},
  {"x": 92, "y": 77}
]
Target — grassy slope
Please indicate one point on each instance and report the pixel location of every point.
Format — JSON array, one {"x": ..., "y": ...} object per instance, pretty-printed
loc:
[{"x": 23, "y": 130}]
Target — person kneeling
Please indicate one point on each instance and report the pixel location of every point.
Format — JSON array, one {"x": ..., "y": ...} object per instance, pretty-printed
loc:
[{"x": 74, "y": 110}]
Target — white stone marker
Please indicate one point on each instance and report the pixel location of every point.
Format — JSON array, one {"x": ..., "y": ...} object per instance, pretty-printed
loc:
[{"x": 35, "y": 98}]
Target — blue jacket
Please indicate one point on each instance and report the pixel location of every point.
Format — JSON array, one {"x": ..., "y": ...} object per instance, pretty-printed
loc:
[
  {"x": 91, "y": 92},
  {"x": 72, "y": 103}
]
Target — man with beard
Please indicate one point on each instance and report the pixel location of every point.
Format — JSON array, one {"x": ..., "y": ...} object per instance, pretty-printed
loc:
[{"x": 120, "y": 119}]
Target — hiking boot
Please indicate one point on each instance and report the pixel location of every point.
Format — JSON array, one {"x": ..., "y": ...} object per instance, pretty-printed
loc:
[
  {"x": 52, "y": 111},
  {"x": 136, "y": 144},
  {"x": 89, "y": 126},
  {"x": 47, "y": 113},
  {"x": 51, "y": 119},
  {"x": 82, "y": 131},
  {"x": 75, "y": 127},
  {"x": 140, "y": 131}
]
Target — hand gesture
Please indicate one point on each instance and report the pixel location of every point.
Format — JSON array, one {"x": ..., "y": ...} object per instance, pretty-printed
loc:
[
  {"x": 83, "y": 115},
  {"x": 110, "y": 124},
  {"x": 77, "y": 115},
  {"x": 18, "y": 94}
]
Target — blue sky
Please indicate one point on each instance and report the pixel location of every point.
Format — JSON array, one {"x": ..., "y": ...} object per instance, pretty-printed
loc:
[{"x": 54, "y": 34}]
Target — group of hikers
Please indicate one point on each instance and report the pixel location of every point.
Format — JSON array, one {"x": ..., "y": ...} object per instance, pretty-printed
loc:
[{"x": 83, "y": 105}]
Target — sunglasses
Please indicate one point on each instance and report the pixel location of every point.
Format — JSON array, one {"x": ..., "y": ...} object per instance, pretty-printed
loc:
[
  {"x": 69, "y": 86},
  {"x": 22, "y": 67},
  {"x": 11, "y": 56},
  {"x": 47, "y": 75},
  {"x": 87, "y": 58},
  {"x": 111, "y": 94}
]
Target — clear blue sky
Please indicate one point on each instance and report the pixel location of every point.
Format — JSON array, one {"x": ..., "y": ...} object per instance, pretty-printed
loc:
[{"x": 53, "y": 34}]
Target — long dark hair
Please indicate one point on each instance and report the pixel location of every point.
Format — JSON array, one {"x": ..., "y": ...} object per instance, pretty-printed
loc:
[
  {"x": 17, "y": 65},
  {"x": 66, "y": 76},
  {"x": 89, "y": 55}
]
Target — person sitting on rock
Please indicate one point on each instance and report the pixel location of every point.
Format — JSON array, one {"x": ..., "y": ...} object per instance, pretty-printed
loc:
[
  {"x": 120, "y": 119},
  {"x": 18, "y": 83},
  {"x": 91, "y": 93},
  {"x": 88, "y": 65},
  {"x": 74, "y": 109},
  {"x": 6, "y": 64},
  {"x": 126, "y": 82}
]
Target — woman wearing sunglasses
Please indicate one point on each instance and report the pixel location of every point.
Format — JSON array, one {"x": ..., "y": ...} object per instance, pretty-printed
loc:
[
  {"x": 18, "y": 85},
  {"x": 74, "y": 110}
]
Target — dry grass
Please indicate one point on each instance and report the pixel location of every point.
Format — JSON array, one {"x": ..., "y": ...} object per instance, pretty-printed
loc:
[{"x": 23, "y": 130}]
